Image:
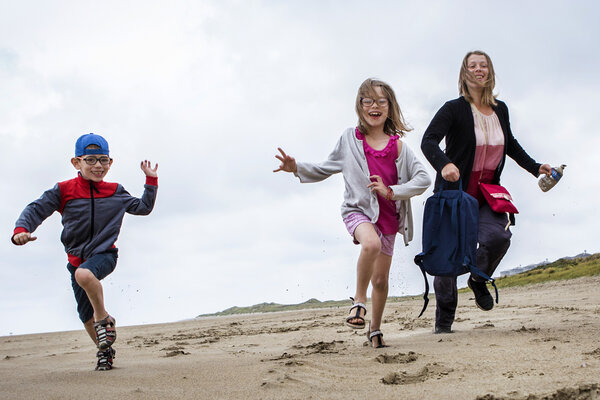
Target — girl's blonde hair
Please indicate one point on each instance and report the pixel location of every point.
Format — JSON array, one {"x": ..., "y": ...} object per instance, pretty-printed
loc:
[
  {"x": 487, "y": 95},
  {"x": 394, "y": 124}
]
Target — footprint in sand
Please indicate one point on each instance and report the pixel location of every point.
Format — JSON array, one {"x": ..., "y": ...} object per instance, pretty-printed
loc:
[
  {"x": 172, "y": 348},
  {"x": 293, "y": 363},
  {"x": 583, "y": 392},
  {"x": 595, "y": 353},
  {"x": 523, "y": 329},
  {"x": 429, "y": 371},
  {"x": 176, "y": 353},
  {"x": 485, "y": 326},
  {"x": 414, "y": 324},
  {"x": 284, "y": 356},
  {"x": 281, "y": 380},
  {"x": 399, "y": 358},
  {"x": 321, "y": 347}
]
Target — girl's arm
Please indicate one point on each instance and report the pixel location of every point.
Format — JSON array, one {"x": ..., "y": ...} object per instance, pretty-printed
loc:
[
  {"x": 288, "y": 163},
  {"x": 413, "y": 179},
  {"x": 316, "y": 172}
]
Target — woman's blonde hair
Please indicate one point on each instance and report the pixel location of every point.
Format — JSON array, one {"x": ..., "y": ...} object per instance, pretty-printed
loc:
[
  {"x": 487, "y": 95},
  {"x": 394, "y": 124}
]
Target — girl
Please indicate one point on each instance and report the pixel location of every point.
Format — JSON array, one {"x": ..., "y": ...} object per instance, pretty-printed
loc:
[
  {"x": 478, "y": 138},
  {"x": 381, "y": 174}
]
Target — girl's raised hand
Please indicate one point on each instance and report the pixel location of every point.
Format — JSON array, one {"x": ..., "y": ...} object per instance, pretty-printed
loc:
[
  {"x": 147, "y": 168},
  {"x": 288, "y": 163}
]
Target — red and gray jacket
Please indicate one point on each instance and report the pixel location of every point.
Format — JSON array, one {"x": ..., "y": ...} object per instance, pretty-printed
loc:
[{"x": 92, "y": 213}]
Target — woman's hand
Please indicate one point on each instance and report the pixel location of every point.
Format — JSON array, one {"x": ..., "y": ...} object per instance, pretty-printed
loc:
[
  {"x": 378, "y": 186},
  {"x": 545, "y": 169},
  {"x": 451, "y": 173},
  {"x": 288, "y": 164}
]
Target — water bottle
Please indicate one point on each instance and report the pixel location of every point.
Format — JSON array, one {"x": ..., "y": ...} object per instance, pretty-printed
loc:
[{"x": 547, "y": 182}]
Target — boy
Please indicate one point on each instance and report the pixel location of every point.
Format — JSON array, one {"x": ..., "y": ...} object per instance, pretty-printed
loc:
[{"x": 92, "y": 212}]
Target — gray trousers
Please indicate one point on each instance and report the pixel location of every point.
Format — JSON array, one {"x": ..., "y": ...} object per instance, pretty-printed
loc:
[{"x": 494, "y": 242}]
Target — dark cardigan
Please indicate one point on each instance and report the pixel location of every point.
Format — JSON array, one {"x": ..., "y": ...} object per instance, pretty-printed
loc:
[{"x": 454, "y": 122}]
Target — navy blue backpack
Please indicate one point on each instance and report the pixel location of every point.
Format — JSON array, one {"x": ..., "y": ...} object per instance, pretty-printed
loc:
[{"x": 450, "y": 225}]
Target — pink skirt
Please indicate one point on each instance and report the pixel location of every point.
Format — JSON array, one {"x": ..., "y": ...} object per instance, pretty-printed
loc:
[{"x": 387, "y": 241}]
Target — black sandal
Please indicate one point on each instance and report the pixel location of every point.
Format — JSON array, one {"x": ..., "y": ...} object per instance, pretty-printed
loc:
[
  {"x": 358, "y": 307},
  {"x": 376, "y": 335}
]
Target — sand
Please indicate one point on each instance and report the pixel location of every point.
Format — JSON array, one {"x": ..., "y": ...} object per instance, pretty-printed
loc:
[{"x": 540, "y": 342}]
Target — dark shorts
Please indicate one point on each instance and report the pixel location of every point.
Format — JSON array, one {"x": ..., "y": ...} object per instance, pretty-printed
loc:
[{"x": 101, "y": 265}]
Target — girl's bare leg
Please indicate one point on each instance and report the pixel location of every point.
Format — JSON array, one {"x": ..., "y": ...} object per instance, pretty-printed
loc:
[
  {"x": 370, "y": 244},
  {"x": 379, "y": 294}
]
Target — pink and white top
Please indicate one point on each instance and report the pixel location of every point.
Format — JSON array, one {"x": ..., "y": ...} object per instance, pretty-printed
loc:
[
  {"x": 488, "y": 151},
  {"x": 383, "y": 163}
]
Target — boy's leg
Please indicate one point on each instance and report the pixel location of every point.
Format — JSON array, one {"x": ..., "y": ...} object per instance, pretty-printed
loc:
[
  {"x": 89, "y": 328},
  {"x": 87, "y": 288},
  {"x": 93, "y": 288}
]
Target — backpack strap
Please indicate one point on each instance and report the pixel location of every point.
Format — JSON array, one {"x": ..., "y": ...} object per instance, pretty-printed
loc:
[
  {"x": 476, "y": 271},
  {"x": 454, "y": 206},
  {"x": 426, "y": 294}
]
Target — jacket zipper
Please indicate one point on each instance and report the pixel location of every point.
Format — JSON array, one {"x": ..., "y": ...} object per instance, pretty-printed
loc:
[{"x": 92, "y": 188}]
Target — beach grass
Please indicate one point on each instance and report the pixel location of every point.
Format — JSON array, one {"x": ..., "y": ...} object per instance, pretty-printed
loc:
[
  {"x": 561, "y": 269},
  {"x": 558, "y": 270}
]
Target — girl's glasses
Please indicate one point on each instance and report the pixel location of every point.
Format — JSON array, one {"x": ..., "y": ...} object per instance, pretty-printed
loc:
[
  {"x": 368, "y": 102},
  {"x": 94, "y": 160}
]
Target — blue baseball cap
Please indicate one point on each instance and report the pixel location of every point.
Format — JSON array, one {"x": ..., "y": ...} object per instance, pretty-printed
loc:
[{"x": 86, "y": 140}]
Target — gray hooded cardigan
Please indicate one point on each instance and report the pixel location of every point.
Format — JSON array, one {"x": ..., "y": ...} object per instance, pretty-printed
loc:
[{"x": 348, "y": 157}]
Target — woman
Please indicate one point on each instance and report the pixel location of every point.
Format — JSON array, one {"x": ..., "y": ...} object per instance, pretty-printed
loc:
[{"x": 478, "y": 138}]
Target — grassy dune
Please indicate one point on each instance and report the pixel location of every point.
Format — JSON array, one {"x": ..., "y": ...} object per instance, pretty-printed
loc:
[{"x": 557, "y": 270}]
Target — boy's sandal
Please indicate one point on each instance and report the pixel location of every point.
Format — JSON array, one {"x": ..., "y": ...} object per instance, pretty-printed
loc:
[
  {"x": 105, "y": 359},
  {"x": 361, "y": 318},
  {"x": 106, "y": 333},
  {"x": 376, "y": 335}
]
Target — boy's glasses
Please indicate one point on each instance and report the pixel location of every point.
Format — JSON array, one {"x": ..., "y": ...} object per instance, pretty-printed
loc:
[
  {"x": 368, "y": 102},
  {"x": 94, "y": 160}
]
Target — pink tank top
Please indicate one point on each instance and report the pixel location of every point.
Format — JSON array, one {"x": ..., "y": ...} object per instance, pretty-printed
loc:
[{"x": 383, "y": 163}]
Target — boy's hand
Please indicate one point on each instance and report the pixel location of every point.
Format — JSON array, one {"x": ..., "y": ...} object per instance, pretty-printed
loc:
[
  {"x": 23, "y": 237},
  {"x": 148, "y": 170}
]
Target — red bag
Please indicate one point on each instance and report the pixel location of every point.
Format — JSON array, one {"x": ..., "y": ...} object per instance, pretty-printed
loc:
[{"x": 498, "y": 198}]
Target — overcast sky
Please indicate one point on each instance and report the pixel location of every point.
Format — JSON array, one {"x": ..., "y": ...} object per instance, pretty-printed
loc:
[{"x": 210, "y": 89}]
